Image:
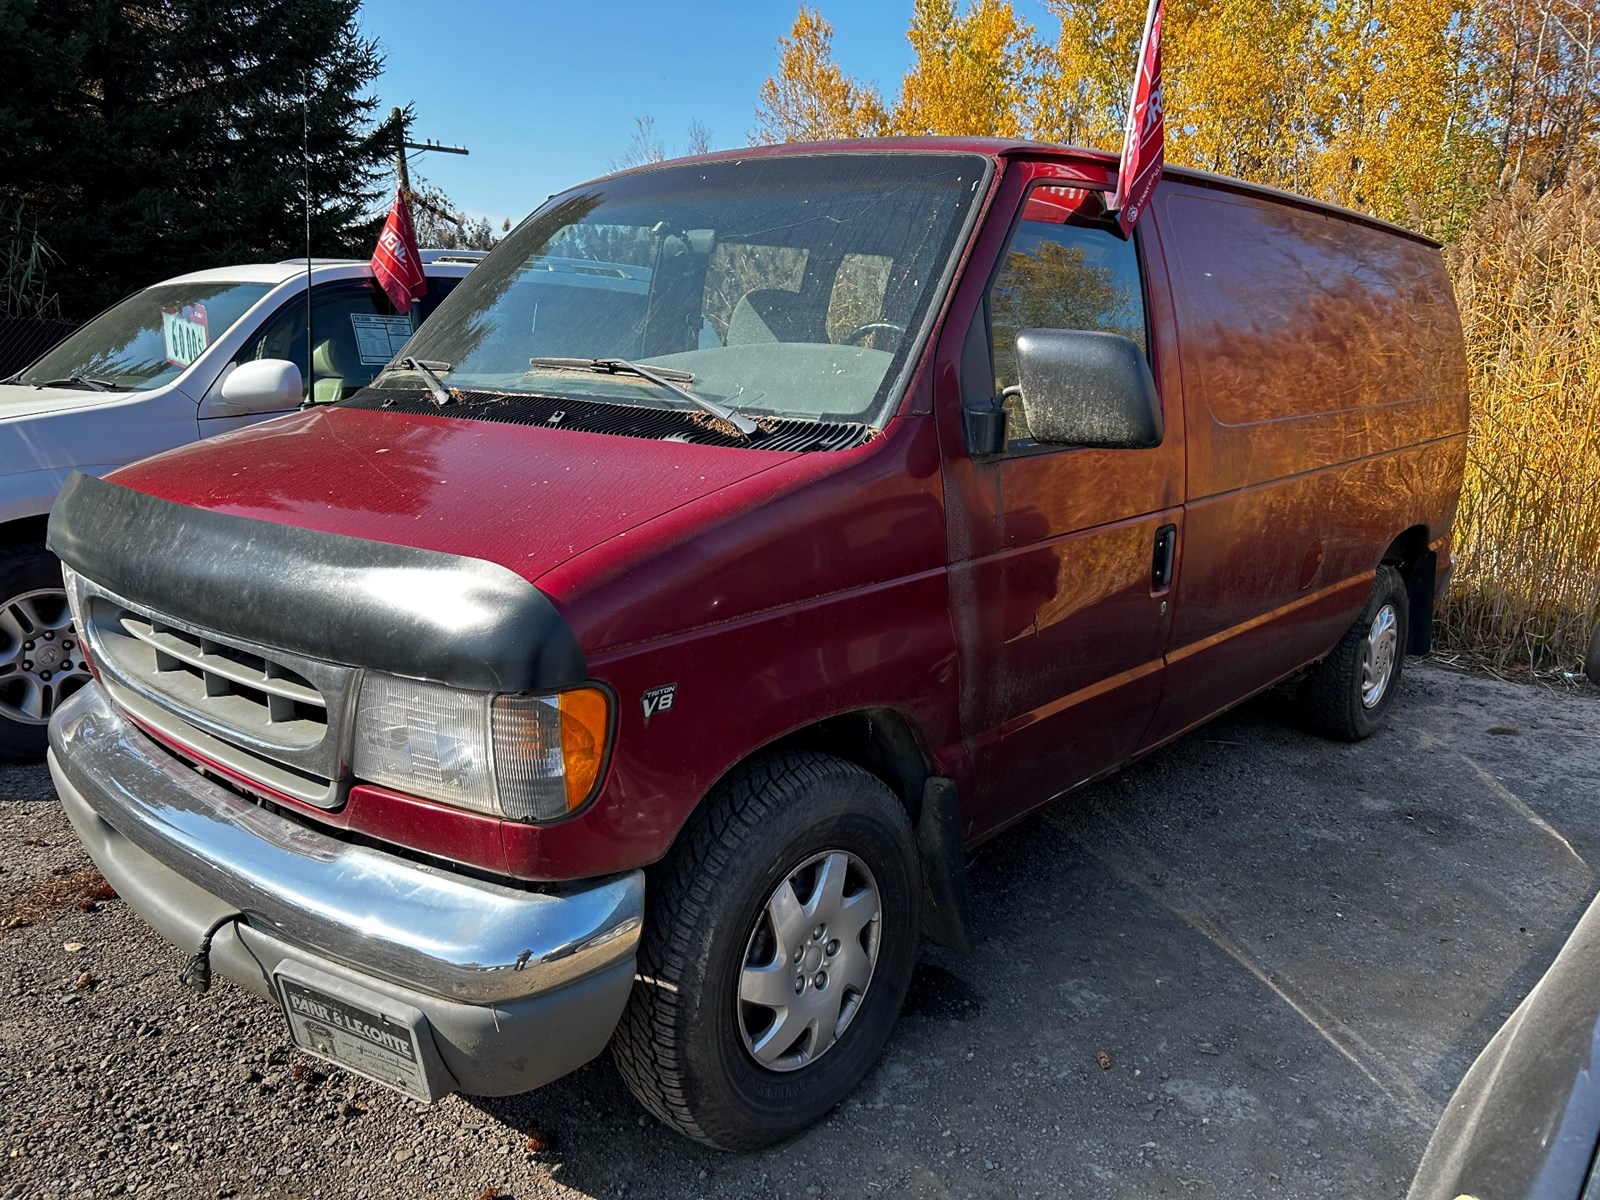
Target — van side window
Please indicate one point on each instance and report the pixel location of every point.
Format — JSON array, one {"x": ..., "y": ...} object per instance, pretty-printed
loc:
[{"x": 1060, "y": 272}]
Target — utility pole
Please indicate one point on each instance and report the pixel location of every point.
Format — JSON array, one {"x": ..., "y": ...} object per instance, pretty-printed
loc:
[{"x": 398, "y": 117}]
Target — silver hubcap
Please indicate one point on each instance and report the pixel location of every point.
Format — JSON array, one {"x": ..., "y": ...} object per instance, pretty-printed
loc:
[
  {"x": 808, "y": 961},
  {"x": 41, "y": 662},
  {"x": 1377, "y": 663}
]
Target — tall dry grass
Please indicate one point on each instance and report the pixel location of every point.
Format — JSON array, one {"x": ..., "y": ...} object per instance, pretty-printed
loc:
[{"x": 1527, "y": 586}]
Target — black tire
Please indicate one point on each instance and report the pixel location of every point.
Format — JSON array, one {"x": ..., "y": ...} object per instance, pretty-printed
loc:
[
  {"x": 679, "y": 1045},
  {"x": 25, "y": 570},
  {"x": 1333, "y": 695}
]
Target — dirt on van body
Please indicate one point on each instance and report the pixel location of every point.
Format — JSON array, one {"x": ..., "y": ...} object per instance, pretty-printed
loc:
[{"x": 1253, "y": 965}]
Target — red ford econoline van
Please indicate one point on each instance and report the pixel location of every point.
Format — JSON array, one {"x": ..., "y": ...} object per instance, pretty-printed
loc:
[{"x": 745, "y": 538}]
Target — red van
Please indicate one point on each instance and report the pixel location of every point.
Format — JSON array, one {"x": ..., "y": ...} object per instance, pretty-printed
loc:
[{"x": 745, "y": 538}]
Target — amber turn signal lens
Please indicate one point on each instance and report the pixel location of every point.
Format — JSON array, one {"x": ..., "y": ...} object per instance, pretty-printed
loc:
[{"x": 585, "y": 713}]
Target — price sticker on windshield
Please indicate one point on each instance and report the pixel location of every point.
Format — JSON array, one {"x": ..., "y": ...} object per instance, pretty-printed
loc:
[{"x": 185, "y": 332}]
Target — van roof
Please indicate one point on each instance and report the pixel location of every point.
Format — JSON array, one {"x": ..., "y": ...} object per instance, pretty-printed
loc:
[{"x": 1000, "y": 148}]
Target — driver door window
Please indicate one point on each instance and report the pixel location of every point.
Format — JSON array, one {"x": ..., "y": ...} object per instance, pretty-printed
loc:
[{"x": 1059, "y": 272}]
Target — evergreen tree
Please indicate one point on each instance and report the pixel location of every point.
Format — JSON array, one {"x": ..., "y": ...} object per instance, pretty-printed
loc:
[{"x": 148, "y": 137}]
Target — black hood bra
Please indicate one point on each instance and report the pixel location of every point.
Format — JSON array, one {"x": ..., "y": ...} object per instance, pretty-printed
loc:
[{"x": 444, "y": 617}]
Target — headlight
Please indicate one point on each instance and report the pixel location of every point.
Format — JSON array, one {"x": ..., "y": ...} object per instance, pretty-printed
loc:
[{"x": 525, "y": 758}]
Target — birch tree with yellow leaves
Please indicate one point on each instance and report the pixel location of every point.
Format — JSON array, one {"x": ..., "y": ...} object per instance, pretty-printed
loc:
[
  {"x": 809, "y": 99},
  {"x": 974, "y": 73}
]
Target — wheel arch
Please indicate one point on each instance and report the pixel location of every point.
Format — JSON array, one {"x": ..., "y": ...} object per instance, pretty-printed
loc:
[
  {"x": 881, "y": 740},
  {"x": 888, "y": 744},
  {"x": 1409, "y": 554},
  {"x": 24, "y": 531}
]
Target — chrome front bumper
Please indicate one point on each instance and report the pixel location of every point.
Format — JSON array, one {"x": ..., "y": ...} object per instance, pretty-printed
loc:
[{"x": 500, "y": 972}]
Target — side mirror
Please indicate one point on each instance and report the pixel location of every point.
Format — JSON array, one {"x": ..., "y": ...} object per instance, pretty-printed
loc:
[
  {"x": 1087, "y": 389},
  {"x": 262, "y": 386}
]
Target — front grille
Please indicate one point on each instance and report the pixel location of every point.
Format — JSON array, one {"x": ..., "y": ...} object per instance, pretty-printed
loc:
[
  {"x": 270, "y": 715},
  {"x": 241, "y": 689}
]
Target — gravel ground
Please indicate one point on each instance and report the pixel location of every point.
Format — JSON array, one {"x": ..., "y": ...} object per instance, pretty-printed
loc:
[{"x": 1254, "y": 964}]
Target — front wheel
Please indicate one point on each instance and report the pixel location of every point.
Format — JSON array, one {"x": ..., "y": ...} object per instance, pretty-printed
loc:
[
  {"x": 41, "y": 662},
  {"x": 780, "y": 939},
  {"x": 1346, "y": 695}
]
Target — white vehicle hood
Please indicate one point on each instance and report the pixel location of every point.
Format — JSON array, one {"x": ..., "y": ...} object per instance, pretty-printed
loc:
[
  {"x": 18, "y": 400},
  {"x": 45, "y": 432}
]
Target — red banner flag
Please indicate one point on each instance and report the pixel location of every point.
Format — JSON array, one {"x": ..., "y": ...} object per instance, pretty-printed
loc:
[
  {"x": 396, "y": 262},
  {"x": 1142, "y": 153}
]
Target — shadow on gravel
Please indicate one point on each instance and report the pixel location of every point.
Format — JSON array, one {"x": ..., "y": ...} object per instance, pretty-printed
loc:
[
  {"x": 595, "y": 1136},
  {"x": 940, "y": 994},
  {"x": 25, "y": 782}
]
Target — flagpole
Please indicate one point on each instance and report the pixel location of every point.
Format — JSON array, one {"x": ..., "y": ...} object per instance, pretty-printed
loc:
[
  {"x": 404, "y": 177},
  {"x": 1129, "y": 133},
  {"x": 305, "y": 157}
]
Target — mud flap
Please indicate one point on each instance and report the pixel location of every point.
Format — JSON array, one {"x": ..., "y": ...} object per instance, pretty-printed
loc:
[
  {"x": 1420, "y": 592},
  {"x": 946, "y": 918}
]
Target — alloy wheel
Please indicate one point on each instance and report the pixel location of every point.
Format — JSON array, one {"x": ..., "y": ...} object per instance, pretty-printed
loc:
[
  {"x": 41, "y": 659},
  {"x": 809, "y": 961}
]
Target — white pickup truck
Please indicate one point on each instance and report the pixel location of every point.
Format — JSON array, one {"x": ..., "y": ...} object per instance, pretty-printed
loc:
[{"x": 160, "y": 369}]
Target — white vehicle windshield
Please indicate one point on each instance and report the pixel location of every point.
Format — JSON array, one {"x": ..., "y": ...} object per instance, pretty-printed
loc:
[
  {"x": 784, "y": 286},
  {"x": 146, "y": 340}
]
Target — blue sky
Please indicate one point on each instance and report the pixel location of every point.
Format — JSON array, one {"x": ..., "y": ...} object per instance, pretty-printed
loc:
[{"x": 545, "y": 94}]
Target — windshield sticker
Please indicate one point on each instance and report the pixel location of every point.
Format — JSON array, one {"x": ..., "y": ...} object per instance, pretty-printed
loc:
[
  {"x": 185, "y": 332},
  {"x": 378, "y": 339}
]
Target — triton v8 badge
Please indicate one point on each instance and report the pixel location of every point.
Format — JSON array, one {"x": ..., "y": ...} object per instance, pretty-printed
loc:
[{"x": 659, "y": 699}]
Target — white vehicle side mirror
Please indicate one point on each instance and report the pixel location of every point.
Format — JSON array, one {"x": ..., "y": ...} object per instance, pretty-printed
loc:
[{"x": 262, "y": 386}]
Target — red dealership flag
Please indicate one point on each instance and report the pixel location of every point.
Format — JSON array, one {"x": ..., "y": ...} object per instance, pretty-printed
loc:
[
  {"x": 396, "y": 262},
  {"x": 1140, "y": 168}
]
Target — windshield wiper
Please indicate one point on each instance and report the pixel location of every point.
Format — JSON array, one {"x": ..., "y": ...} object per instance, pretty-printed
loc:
[
  {"x": 426, "y": 368},
  {"x": 665, "y": 377},
  {"x": 81, "y": 381}
]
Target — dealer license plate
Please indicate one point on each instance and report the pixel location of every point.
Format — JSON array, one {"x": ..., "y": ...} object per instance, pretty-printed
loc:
[{"x": 352, "y": 1029}]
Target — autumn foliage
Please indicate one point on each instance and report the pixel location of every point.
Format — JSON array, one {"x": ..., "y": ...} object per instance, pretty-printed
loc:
[
  {"x": 1527, "y": 276},
  {"x": 1475, "y": 121}
]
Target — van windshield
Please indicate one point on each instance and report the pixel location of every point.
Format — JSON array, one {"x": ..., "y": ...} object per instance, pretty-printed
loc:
[
  {"x": 150, "y": 338},
  {"x": 792, "y": 286}
]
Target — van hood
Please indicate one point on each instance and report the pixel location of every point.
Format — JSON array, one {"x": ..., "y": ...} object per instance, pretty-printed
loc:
[
  {"x": 493, "y": 555},
  {"x": 527, "y": 498}
]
